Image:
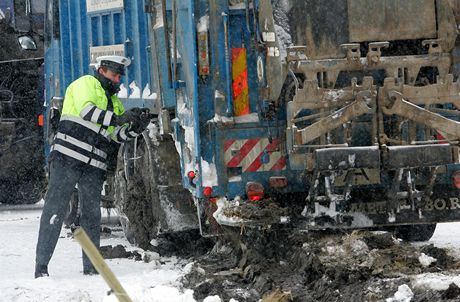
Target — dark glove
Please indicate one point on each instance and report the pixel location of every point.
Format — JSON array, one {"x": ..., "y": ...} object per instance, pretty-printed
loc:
[
  {"x": 130, "y": 116},
  {"x": 146, "y": 117},
  {"x": 136, "y": 127},
  {"x": 136, "y": 111},
  {"x": 141, "y": 124}
]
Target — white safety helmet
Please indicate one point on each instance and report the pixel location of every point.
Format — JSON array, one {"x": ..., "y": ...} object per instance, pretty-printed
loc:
[{"x": 115, "y": 63}]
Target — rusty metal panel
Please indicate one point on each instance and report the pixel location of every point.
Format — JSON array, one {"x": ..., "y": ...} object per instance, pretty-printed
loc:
[
  {"x": 455, "y": 4},
  {"x": 417, "y": 156},
  {"x": 319, "y": 25},
  {"x": 347, "y": 158},
  {"x": 388, "y": 20}
]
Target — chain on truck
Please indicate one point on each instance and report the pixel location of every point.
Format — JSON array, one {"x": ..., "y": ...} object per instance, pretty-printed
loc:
[
  {"x": 316, "y": 114},
  {"x": 22, "y": 177}
]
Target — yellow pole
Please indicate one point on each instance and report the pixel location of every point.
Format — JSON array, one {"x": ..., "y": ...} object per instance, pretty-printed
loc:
[{"x": 96, "y": 259}]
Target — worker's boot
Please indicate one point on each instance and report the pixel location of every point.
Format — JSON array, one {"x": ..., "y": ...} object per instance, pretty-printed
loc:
[
  {"x": 90, "y": 271},
  {"x": 88, "y": 268},
  {"x": 41, "y": 271}
]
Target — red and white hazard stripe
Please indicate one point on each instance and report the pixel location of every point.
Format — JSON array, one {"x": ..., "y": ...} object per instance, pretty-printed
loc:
[{"x": 247, "y": 154}]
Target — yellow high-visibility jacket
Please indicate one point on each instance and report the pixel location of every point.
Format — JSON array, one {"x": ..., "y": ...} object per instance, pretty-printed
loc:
[{"x": 87, "y": 126}]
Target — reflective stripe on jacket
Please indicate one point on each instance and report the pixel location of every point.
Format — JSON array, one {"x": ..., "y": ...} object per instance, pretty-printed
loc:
[{"x": 87, "y": 125}]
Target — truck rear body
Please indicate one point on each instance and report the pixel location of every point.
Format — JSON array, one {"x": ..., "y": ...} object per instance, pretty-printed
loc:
[
  {"x": 351, "y": 103},
  {"x": 336, "y": 113}
]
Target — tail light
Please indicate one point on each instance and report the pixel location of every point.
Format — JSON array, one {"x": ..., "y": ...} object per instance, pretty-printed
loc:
[
  {"x": 41, "y": 120},
  {"x": 255, "y": 191},
  {"x": 207, "y": 192},
  {"x": 203, "y": 53},
  {"x": 456, "y": 179},
  {"x": 191, "y": 175}
]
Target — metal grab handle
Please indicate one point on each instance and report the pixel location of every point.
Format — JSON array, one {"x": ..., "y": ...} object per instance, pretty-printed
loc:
[{"x": 228, "y": 72}]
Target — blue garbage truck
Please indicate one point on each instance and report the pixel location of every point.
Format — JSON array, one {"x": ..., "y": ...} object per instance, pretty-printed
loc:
[
  {"x": 22, "y": 177},
  {"x": 313, "y": 114}
]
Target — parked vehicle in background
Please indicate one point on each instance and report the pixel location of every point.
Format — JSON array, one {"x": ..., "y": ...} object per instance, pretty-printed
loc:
[
  {"x": 22, "y": 177},
  {"x": 316, "y": 114}
]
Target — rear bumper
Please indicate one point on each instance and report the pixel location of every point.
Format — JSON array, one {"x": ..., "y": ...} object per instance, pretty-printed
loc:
[
  {"x": 418, "y": 156},
  {"x": 443, "y": 206},
  {"x": 390, "y": 158}
]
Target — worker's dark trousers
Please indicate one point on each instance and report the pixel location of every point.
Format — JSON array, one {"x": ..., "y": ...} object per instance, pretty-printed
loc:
[{"x": 62, "y": 181}]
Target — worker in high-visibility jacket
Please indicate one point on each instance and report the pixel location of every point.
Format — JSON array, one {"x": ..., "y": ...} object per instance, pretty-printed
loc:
[{"x": 92, "y": 117}]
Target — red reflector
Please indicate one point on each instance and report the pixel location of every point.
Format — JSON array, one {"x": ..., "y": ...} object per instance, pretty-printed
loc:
[
  {"x": 255, "y": 191},
  {"x": 191, "y": 174},
  {"x": 440, "y": 137},
  {"x": 278, "y": 182},
  {"x": 207, "y": 192},
  {"x": 456, "y": 179},
  {"x": 41, "y": 120},
  {"x": 255, "y": 197}
]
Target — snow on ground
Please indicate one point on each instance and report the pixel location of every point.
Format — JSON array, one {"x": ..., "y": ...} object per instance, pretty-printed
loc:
[
  {"x": 146, "y": 282},
  {"x": 154, "y": 281},
  {"x": 446, "y": 236}
]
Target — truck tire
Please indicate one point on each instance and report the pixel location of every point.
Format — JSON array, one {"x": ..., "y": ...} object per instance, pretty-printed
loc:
[
  {"x": 120, "y": 196},
  {"x": 144, "y": 182},
  {"x": 132, "y": 198},
  {"x": 135, "y": 193},
  {"x": 416, "y": 232}
]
